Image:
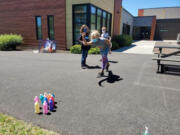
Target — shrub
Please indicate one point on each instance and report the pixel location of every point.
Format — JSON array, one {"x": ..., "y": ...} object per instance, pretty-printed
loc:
[
  {"x": 115, "y": 45},
  {"x": 94, "y": 50},
  {"x": 76, "y": 49},
  {"x": 123, "y": 40},
  {"x": 10, "y": 41}
]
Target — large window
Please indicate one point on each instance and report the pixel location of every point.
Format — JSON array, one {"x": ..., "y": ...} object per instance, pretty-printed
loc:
[
  {"x": 99, "y": 19},
  {"x": 79, "y": 18},
  {"x": 38, "y": 27},
  {"x": 104, "y": 19},
  {"x": 109, "y": 17},
  {"x": 92, "y": 16},
  {"x": 50, "y": 19}
]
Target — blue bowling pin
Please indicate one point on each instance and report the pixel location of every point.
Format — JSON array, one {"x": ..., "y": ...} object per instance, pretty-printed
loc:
[
  {"x": 41, "y": 97},
  {"x": 46, "y": 99},
  {"x": 51, "y": 105}
]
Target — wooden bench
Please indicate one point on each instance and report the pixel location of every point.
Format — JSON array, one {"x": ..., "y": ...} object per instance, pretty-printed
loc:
[
  {"x": 167, "y": 59},
  {"x": 171, "y": 57},
  {"x": 162, "y": 67}
]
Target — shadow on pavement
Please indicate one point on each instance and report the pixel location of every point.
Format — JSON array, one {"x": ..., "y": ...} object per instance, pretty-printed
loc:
[
  {"x": 172, "y": 70},
  {"x": 111, "y": 78},
  {"x": 124, "y": 48},
  {"x": 48, "y": 113},
  {"x": 40, "y": 113},
  {"x": 93, "y": 67},
  {"x": 114, "y": 62}
]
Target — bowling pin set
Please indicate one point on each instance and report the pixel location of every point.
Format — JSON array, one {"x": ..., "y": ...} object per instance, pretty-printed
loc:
[{"x": 47, "y": 100}]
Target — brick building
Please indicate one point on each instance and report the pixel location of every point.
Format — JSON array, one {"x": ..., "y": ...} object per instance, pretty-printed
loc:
[{"x": 60, "y": 20}]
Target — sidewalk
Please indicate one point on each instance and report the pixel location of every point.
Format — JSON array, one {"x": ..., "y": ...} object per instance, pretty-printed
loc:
[{"x": 139, "y": 47}]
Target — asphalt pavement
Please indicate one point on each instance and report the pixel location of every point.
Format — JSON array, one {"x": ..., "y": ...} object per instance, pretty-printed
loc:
[{"x": 122, "y": 102}]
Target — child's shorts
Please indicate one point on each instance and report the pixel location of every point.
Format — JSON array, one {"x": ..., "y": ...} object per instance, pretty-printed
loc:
[{"x": 104, "y": 52}]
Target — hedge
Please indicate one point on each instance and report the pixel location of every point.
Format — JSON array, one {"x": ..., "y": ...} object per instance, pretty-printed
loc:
[
  {"x": 76, "y": 49},
  {"x": 122, "y": 40},
  {"x": 94, "y": 50},
  {"x": 10, "y": 41},
  {"x": 115, "y": 45}
]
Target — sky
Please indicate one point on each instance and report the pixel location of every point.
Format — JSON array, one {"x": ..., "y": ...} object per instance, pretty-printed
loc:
[{"x": 133, "y": 5}]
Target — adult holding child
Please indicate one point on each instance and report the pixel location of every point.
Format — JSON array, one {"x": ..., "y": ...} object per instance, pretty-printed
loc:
[
  {"x": 103, "y": 44},
  {"x": 84, "y": 35}
]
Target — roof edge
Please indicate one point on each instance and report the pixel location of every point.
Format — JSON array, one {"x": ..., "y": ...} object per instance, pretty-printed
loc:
[
  {"x": 159, "y": 8},
  {"x": 144, "y": 16},
  {"x": 127, "y": 12}
]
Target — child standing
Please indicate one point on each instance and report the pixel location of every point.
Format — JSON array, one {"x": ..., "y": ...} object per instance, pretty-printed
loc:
[
  {"x": 104, "y": 46},
  {"x": 105, "y": 35},
  {"x": 85, "y": 32}
]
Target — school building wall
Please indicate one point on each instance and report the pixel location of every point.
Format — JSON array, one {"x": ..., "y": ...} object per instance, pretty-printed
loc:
[
  {"x": 107, "y": 5},
  {"x": 18, "y": 16},
  {"x": 167, "y": 29},
  {"x": 126, "y": 18},
  {"x": 163, "y": 13},
  {"x": 165, "y": 24}
]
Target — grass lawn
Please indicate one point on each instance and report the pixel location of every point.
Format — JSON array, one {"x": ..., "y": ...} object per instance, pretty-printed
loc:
[{"x": 11, "y": 126}]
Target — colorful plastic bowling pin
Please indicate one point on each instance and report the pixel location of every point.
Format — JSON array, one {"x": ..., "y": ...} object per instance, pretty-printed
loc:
[
  {"x": 146, "y": 132},
  {"x": 45, "y": 107},
  {"x": 45, "y": 94},
  {"x": 41, "y": 98},
  {"x": 53, "y": 95},
  {"x": 36, "y": 107},
  {"x": 45, "y": 99},
  {"x": 48, "y": 97},
  {"x": 51, "y": 106},
  {"x": 52, "y": 98},
  {"x": 36, "y": 99}
]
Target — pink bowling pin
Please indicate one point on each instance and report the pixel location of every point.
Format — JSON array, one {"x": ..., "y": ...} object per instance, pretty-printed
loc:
[
  {"x": 36, "y": 99},
  {"x": 45, "y": 108}
]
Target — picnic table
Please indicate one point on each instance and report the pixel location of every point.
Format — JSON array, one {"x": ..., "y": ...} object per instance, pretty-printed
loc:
[{"x": 170, "y": 57}]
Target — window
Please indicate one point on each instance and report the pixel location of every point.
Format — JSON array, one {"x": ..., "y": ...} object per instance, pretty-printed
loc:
[
  {"x": 38, "y": 28},
  {"x": 79, "y": 18},
  {"x": 126, "y": 29},
  {"x": 93, "y": 18},
  {"x": 104, "y": 19},
  {"x": 99, "y": 16},
  {"x": 109, "y": 16},
  {"x": 50, "y": 19}
]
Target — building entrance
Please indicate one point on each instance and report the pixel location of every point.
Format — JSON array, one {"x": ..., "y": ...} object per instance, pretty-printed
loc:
[{"x": 141, "y": 33}]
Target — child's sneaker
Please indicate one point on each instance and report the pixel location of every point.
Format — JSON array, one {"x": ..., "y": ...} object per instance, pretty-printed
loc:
[
  {"x": 83, "y": 67},
  {"x": 86, "y": 65},
  {"x": 100, "y": 74},
  {"x": 107, "y": 67}
]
